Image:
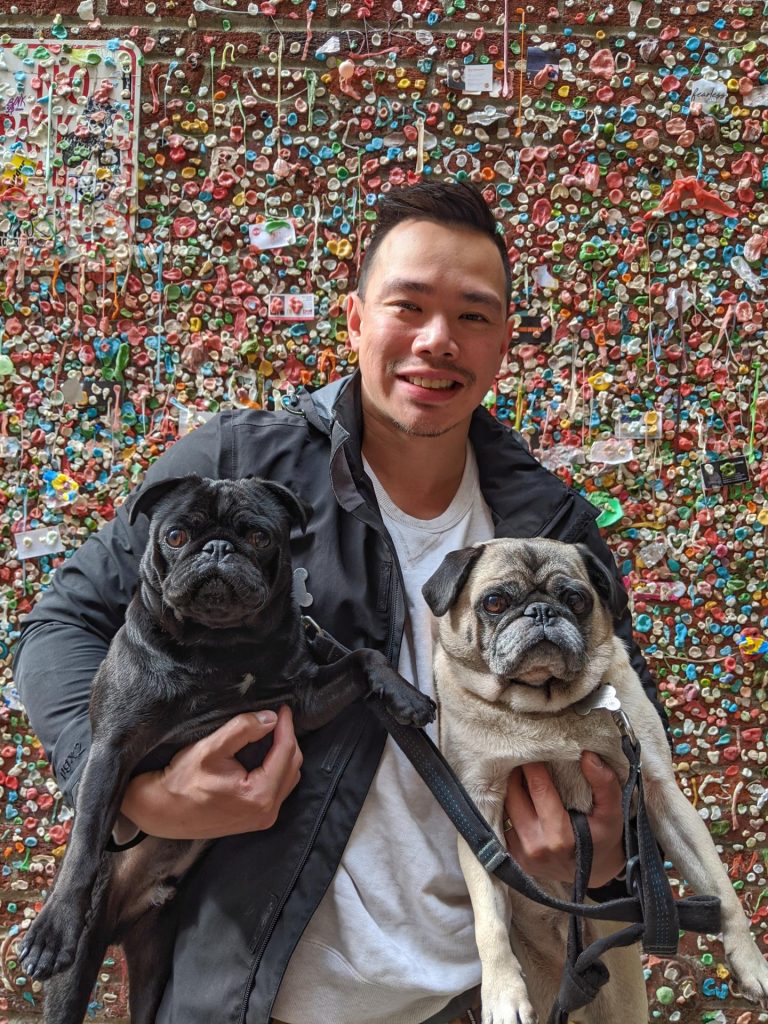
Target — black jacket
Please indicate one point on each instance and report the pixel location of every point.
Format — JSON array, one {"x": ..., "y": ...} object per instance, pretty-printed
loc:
[{"x": 254, "y": 894}]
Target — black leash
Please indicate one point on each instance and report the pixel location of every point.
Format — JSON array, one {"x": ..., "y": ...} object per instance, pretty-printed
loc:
[{"x": 654, "y": 916}]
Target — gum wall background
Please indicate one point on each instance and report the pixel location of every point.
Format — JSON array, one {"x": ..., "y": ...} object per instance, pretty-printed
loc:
[{"x": 184, "y": 189}]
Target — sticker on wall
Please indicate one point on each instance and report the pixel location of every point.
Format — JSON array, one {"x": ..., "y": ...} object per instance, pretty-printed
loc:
[
  {"x": 724, "y": 473},
  {"x": 272, "y": 234},
  {"x": 478, "y": 78},
  {"x": 636, "y": 423},
  {"x": 291, "y": 307},
  {"x": 46, "y": 540}
]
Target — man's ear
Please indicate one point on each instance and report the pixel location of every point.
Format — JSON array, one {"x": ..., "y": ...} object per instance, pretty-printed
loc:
[
  {"x": 146, "y": 498},
  {"x": 299, "y": 511},
  {"x": 509, "y": 330},
  {"x": 354, "y": 317},
  {"x": 444, "y": 586},
  {"x": 604, "y": 581}
]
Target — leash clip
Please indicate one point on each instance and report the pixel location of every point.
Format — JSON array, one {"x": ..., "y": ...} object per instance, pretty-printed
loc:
[
  {"x": 311, "y": 628},
  {"x": 624, "y": 725},
  {"x": 634, "y": 876}
]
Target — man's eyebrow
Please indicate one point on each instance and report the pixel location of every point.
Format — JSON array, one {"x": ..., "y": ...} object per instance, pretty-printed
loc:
[{"x": 405, "y": 284}]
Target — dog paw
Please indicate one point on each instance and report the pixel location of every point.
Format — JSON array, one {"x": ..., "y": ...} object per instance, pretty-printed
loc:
[
  {"x": 413, "y": 709},
  {"x": 404, "y": 702},
  {"x": 508, "y": 1004},
  {"x": 750, "y": 972},
  {"x": 49, "y": 946}
]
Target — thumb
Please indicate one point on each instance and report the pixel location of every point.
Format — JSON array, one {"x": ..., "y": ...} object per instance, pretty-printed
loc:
[
  {"x": 241, "y": 730},
  {"x": 606, "y": 791}
]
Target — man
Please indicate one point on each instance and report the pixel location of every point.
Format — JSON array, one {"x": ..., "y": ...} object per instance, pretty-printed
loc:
[{"x": 338, "y": 898}]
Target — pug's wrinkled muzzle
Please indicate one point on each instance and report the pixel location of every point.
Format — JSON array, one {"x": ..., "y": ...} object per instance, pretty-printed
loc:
[{"x": 538, "y": 645}]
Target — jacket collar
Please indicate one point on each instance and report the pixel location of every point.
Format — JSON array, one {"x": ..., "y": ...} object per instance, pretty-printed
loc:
[
  {"x": 336, "y": 410},
  {"x": 319, "y": 406},
  {"x": 523, "y": 496}
]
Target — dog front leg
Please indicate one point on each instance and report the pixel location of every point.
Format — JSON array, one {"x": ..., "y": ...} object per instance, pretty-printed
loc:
[
  {"x": 688, "y": 844},
  {"x": 504, "y": 995},
  {"x": 360, "y": 674}
]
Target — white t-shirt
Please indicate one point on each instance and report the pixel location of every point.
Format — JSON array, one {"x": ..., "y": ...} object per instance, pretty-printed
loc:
[{"x": 392, "y": 941}]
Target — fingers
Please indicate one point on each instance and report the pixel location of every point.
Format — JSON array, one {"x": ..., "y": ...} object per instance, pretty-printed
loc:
[
  {"x": 517, "y": 803},
  {"x": 606, "y": 789},
  {"x": 541, "y": 839},
  {"x": 535, "y": 799},
  {"x": 606, "y": 821},
  {"x": 284, "y": 759},
  {"x": 239, "y": 731}
]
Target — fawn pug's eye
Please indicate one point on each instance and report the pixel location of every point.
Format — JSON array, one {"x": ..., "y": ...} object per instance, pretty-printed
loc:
[
  {"x": 577, "y": 600},
  {"x": 495, "y": 603}
]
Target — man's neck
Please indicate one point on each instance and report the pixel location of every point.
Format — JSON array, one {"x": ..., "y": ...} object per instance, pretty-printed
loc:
[{"x": 421, "y": 475}]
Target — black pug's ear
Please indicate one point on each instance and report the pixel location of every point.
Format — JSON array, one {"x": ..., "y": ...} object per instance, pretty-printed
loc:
[
  {"x": 604, "y": 582},
  {"x": 443, "y": 587},
  {"x": 299, "y": 511},
  {"x": 145, "y": 499}
]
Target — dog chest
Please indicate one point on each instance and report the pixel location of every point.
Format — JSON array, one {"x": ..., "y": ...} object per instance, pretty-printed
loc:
[{"x": 484, "y": 749}]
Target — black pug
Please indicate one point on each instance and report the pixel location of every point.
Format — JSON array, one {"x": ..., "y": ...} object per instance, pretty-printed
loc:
[{"x": 213, "y": 630}]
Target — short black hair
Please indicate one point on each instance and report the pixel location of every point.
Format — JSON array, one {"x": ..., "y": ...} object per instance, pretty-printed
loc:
[{"x": 449, "y": 203}]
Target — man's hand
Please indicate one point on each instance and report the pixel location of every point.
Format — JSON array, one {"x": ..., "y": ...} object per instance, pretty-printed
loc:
[
  {"x": 541, "y": 838},
  {"x": 205, "y": 792}
]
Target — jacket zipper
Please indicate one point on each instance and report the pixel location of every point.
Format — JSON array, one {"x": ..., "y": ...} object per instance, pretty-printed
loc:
[
  {"x": 286, "y": 894},
  {"x": 394, "y": 584}
]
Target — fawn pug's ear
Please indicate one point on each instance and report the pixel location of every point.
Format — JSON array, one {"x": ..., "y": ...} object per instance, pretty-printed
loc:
[
  {"x": 443, "y": 587},
  {"x": 604, "y": 582}
]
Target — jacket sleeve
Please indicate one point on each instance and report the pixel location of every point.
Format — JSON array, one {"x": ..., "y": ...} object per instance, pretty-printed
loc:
[
  {"x": 65, "y": 637},
  {"x": 623, "y": 624}
]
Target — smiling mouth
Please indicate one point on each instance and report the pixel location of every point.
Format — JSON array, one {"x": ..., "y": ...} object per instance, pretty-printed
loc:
[{"x": 433, "y": 384}]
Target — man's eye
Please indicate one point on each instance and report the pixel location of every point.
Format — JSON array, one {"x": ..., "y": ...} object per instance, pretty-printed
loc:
[
  {"x": 477, "y": 317},
  {"x": 495, "y": 603},
  {"x": 176, "y": 538}
]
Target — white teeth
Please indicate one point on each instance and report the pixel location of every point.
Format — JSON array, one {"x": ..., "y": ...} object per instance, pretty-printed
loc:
[{"x": 423, "y": 382}]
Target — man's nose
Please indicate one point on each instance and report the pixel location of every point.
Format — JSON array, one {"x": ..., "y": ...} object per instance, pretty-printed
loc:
[{"x": 435, "y": 339}]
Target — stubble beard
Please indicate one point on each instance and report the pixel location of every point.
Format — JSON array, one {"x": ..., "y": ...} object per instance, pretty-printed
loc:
[{"x": 415, "y": 431}]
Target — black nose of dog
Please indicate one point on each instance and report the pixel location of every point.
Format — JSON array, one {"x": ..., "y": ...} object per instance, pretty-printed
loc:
[
  {"x": 541, "y": 613},
  {"x": 218, "y": 548}
]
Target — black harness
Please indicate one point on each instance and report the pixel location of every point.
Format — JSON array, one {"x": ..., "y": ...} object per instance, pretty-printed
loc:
[{"x": 652, "y": 913}]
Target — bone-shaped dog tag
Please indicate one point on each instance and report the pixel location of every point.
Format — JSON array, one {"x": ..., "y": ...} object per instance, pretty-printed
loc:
[
  {"x": 300, "y": 592},
  {"x": 603, "y": 697}
]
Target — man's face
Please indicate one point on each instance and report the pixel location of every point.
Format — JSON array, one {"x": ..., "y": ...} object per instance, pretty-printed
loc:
[{"x": 433, "y": 328}]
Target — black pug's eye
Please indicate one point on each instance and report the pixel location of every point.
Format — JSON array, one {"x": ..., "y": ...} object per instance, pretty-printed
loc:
[
  {"x": 495, "y": 603},
  {"x": 577, "y": 600},
  {"x": 259, "y": 538},
  {"x": 176, "y": 538}
]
